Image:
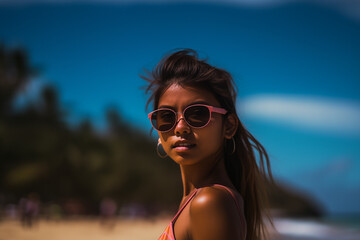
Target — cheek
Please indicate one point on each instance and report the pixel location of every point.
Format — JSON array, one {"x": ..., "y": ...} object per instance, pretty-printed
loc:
[
  {"x": 164, "y": 141},
  {"x": 212, "y": 137}
]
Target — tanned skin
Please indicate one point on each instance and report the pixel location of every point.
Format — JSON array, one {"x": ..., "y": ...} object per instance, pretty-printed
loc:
[{"x": 212, "y": 214}]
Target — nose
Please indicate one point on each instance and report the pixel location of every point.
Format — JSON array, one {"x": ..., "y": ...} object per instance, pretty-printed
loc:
[{"x": 181, "y": 127}]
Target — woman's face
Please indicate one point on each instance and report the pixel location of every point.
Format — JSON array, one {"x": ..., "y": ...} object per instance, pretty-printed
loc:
[{"x": 197, "y": 144}]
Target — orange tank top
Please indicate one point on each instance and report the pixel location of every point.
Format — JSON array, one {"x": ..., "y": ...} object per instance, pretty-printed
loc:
[{"x": 168, "y": 234}]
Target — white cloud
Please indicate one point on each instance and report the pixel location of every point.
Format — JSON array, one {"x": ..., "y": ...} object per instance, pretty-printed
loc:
[{"x": 322, "y": 114}]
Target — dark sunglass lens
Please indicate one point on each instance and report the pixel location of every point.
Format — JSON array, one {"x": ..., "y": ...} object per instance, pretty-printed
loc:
[
  {"x": 197, "y": 116},
  {"x": 163, "y": 120}
]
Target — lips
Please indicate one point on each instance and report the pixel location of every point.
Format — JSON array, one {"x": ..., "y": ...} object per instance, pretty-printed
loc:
[{"x": 183, "y": 145}]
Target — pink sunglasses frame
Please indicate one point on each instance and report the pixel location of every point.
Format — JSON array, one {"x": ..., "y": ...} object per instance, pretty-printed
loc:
[{"x": 211, "y": 110}]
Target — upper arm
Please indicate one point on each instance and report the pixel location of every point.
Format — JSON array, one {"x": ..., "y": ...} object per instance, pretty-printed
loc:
[{"x": 214, "y": 216}]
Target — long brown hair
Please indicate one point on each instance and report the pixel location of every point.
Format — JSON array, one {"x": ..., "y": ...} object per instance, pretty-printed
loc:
[{"x": 246, "y": 173}]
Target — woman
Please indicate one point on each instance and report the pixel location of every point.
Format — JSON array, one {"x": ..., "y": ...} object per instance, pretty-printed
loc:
[{"x": 195, "y": 117}]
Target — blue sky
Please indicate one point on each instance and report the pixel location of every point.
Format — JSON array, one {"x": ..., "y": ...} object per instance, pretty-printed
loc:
[{"x": 296, "y": 65}]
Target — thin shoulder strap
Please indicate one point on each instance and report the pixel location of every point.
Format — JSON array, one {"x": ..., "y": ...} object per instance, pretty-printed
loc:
[{"x": 183, "y": 206}]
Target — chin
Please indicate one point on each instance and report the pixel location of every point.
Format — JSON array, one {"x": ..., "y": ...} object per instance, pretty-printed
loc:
[{"x": 185, "y": 160}]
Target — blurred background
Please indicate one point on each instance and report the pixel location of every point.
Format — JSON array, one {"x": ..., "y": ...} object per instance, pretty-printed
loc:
[{"x": 75, "y": 143}]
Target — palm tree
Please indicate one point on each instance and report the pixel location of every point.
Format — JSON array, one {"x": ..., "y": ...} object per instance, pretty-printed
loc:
[{"x": 15, "y": 73}]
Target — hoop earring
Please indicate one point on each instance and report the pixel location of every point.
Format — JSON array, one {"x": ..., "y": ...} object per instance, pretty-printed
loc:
[
  {"x": 158, "y": 152},
  {"x": 234, "y": 146}
]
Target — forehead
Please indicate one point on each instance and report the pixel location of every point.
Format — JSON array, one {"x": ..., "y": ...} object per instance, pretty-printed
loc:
[{"x": 182, "y": 96}]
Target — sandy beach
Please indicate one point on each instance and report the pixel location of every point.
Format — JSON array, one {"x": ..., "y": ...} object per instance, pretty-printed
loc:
[
  {"x": 83, "y": 229},
  {"x": 145, "y": 229}
]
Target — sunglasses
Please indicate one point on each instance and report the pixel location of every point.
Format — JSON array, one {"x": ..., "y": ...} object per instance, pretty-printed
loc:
[{"x": 196, "y": 116}]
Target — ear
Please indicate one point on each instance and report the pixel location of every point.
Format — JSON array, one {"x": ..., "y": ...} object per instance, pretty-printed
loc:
[{"x": 231, "y": 125}]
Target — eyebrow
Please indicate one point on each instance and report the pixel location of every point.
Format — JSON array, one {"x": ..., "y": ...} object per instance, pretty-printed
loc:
[{"x": 193, "y": 103}]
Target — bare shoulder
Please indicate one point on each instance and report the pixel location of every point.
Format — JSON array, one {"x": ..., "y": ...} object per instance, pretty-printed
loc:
[
  {"x": 211, "y": 197},
  {"x": 214, "y": 215}
]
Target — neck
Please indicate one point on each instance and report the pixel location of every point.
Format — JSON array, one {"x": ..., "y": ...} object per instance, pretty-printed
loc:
[{"x": 201, "y": 175}]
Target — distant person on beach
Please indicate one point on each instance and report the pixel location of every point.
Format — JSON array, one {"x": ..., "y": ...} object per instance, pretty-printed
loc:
[
  {"x": 108, "y": 208},
  {"x": 194, "y": 113},
  {"x": 29, "y": 210}
]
